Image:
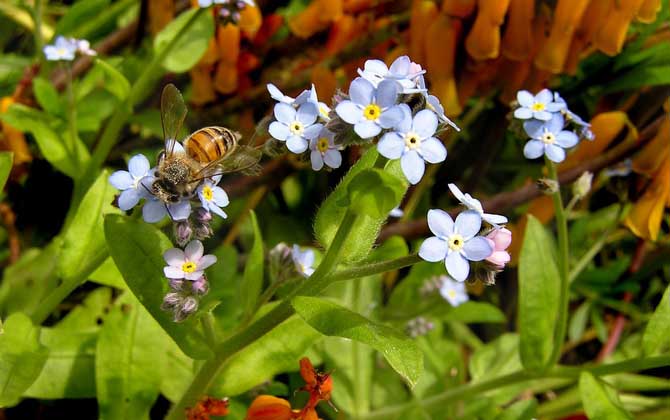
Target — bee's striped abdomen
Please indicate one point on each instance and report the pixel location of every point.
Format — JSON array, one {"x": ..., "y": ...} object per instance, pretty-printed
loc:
[{"x": 210, "y": 143}]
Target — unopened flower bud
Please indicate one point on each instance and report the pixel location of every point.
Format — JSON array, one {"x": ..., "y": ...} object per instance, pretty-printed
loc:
[
  {"x": 418, "y": 326},
  {"x": 176, "y": 284},
  {"x": 171, "y": 300},
  {"x": 500, "y": 240},
  {"x": 548, "y": 186},
  {"x": 200, "y": 286},
  {"x": 587, "y": 134},
  {"x": 582, "y": 186},
  {"x": 182, "y": 232},
  {"x": 202, "y": 231},
  {"x": 189, "y": 305},
  {"x": 202, "y": 215}
]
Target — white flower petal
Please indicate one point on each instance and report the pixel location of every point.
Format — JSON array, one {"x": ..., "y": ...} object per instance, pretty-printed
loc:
[
  {"x": 533, "y": 149},
  {"x": 296, "y": 144},
  {"x": 349, "y": 112},
  {"x": 566, "y": 139},
  {"x": 206, "y": 261},
  {"x": 333, "y": 158},
  {"x": 391, "y": 117},
  {"x": 307, "y": 113},
  {"x": 153, "y": 211},
  {"x": 361, "y": 91},
  {"x": 194, "y": 251},
  {"x": 412, "y": 166},
  {"x": 174, "y": 257},
  {"x": 279, "y": 131},
  {"x": 554, "y": 153},
  {"x": 457, "y": 266},
  {"x": 440, "y": 223},
  {"x": 391, "y": 145},
  {"x": 220, "y": 197},
  {"x": 494, "y": 219},
  {"x": 525, "y": 98},
  {"x": 477, "y": 248},
  {"x": 138, "y": 166},
  {"x": 433, "y": 151},
  {"x": 121, "y": 180},
  {"x": 387, "y": 93},
  {"x": 468, "y": 223},
  {"x": 180, "y": 210},
  {"x": 173, "y": 272},
  {"x": 316, "y": 159},
  {"x": 129, "y": 199},
  {"x": 544, "y": 96},
  {"x": 284, "y": 113},
  {"x": 433, "y": 249},
  {"x": 523, "y": 113},
  {"x": 425, "y": 123},
  {"x": 367, "y": 129}
]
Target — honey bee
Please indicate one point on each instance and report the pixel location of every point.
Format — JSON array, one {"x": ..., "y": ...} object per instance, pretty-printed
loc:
[{"x": 206, "y": 153}]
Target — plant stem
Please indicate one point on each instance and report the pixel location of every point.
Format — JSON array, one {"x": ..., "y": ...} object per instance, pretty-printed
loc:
[
  {"x": 375, "y": 268},
  {"x": 223, "y": 351},
  {"x": 563, "y": 270},
  {"x": 72, "y": 117},
  {"x": 37, "y": 18},
  {"x": 207, "y": 322}
]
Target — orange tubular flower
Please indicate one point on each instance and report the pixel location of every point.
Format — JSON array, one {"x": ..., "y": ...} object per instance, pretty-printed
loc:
[
  {"x": 228, "y": 39},
  {"x": 423, "y": 14},
  {"x": 644, "y": 220},
  {"x": 207, "y": 407},
  {"x": 316, "y": 17},
  {"x": 458, "y": 8},
  {"x": 483, "y": 41},
  {"x": 267, "y": 407},
  {"x": 612, "y": 34},
  {"x": 355, "y": 6},
  {"x": 518, "y": 39},
  {"x": 325, "y": 81},
  {"x": 13, "y": 139},
  {"x": 567, "y": 17},
  {"x": 648, "y": 11},
  {"x": 440, "y": 46},
  {"x": 160, "y": 14}
]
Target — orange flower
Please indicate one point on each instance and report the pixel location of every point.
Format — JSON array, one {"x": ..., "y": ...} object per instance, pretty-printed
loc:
[
  {"x": 267, "y": 407},
  {"x": 324, "y": 80},
  {"x": 644, "y": 219},
  {"x": 160, "y": 14},
  {"x": 250, "y": 21},
  {"x": 13, "y": 139},
  {"x": 206, "y": 407},
  {"x": 483, "y": 41},
  {"x": 440, "y": 46},
  {"x": 316, "y": 17},
  {"x": 655, "y": 153},
  {"x": 518, "y": 39},
  {"x": 458, "y": 8},
  {"x": 423, "y": 14},
  {"x": 319, "y": 385},
  {"x": 203, "y": 87},
  {"x": 228, "y": 40},
  {"x": 567, "y": 16},
  {"x": 355, "y": 6},
  {"x": 612, "y": 34},
  {"x": 648, "y": 11}
]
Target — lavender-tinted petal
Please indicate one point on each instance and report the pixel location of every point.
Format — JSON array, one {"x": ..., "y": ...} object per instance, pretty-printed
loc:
[
  {"x": 554, "y": 153},
  {"x": 153, "y": 211},
  {"x": 367, "y": 129},
  {"x": 349, "y": 112},
  {"x": 400, "y": 66},
  {"x": 523, "y": 113},
  {"x": 307, "y": 113},
  {"x": 456, "y": 192},
  {"x": 556, "y": 123},
  {"x": 312, "y": 131},
  {"x": 217, "y": 210},
  {"x": 566, "y": 139},
  {"x": 542, "y": 115},
  {"x": 333, "y": 158},
  {"x": 433, "y": 151},
  {"x": 361, "y": 91},
  {"x": 277, "y": 94},
  {"x": 404, "y": 125},
  {"x": 206, "y": 261},
  {"x": 468, "y": 223},
  {"x": 121, "y": 180},
  {"x": 494, "y": 219},
  {"x": 425, "y": 123},
  {"x": 376, "y": 66},
  {"x": 534, "y": 128},
  {"x": 457, "y": 266},
  {"x": 284, "y": 113},
  {"x": 387, "y": 93},
  {"x": 555, "y": 106},
  {"x": 173, "y": 272},
  {"x": 412, "y": 166},
  {"x": 138, "y": 166},
  {"x": 220, "y": 197},
  {"x": 544, "y": 96},
  {"x": 477, "y": 248},
  {"x": 391, "y": 117},
  {"x": 279, "y": 131},
  {"x": 391, "y": 145},
  {"x": 525, "y": 98},
  {"x": 194, "y": 275},
  {"x": 174, "y": 257},
  {"x": 316, "y": 159},
  {"x": 180, "y": 210},
  {"x": 296, "y": 144},
  {"x": 433, "y": 249},
  {"x": 129, "y": 199},
  {"x": 440, "y": 223},
  {"x": 533, "y": 149},
  {"x": 194, "y": 251}
]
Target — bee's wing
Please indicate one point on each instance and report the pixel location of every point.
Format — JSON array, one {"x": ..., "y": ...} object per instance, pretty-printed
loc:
[
  {"x": 173, "y": 113},
  {"x": 244, "y": 159}
]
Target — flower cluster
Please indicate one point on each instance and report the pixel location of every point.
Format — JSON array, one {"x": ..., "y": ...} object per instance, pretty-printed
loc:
[
  {"x": 229, "y": 10},
  {"x": 386, "y": 103},
  {"x": 66, "y": 48},
  {"x": 460, "y": 242},
  {"x": 547, "y": 121},
  {"x": 451, "y": 290}
]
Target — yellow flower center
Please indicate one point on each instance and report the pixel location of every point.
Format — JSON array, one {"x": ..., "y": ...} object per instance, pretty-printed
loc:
[
  {"x": 207, "y": 193},
  {"x": 323, "y": 111},
  {"x": 296, "y": 128},
  {"x": 452, "y": 294},
  {"x": 456, "y": 242},
  {"x": 412, "y": 140},
  {"x": 322, "y": 145},
  {"x": 372, "y": 112},
  {"x": 548, "y": 138},
  {"x": 538, "y": 106},
  {"x": 188, "y": 267}
]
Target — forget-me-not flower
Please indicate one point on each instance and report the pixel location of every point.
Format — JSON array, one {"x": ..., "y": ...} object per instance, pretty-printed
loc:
[
  {"x": 574, "y": 118},
  {"x": 548, "y": 138},
  {"x": 84, "y": 47},
  {"x": 154, "y": 210},
  {"x": 189, "y": 264},
  {"x": 129, "y": 182},
  {"x": 540, "y": 107},
  {"x": 324, "y": 150},
  {"x": 413, "y": 142},
  {"x": 473, "y": 204},
  {"x": 453, "y": 291},
  {"x": 303, "y": 260},
  {"x": 62, "y": 49},
  {"x": 213, "y": 197},
  {"x": 296, "y": 128},
  {"x": 370, "y": 109},
  {"x": 456, "y": 243},
  {"x": 402, "y": 71},
  {"x": 433, "y": 103}
]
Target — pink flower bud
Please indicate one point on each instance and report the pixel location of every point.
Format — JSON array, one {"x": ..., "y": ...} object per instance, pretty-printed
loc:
[{"x": 500, "y": 240}]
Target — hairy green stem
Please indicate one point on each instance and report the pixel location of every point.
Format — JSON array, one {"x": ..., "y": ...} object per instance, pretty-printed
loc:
[
  {"x": 375, "y": 268},
  {"x": 563, "y": 266},
  {"x": 223, "y": 351},
  {"x": 473, "y": 390},
  {"x": 207, "y": 321}
]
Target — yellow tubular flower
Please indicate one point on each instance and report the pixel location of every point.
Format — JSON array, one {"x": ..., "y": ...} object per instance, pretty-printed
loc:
[
  {"x": 517, "y": 42},
  {"x": 612, "y": 34},
  {"x": 483, "y": 41},
  {"x": 228, "y": 39},
  {"x": 567, "y": 17},
  {"x": 440, "y": 44},
  {"x": 458, "y": 8},
  {"x": 423, "y": 14},
  {"x": 316, "y": 17},
  {"x": 648, "y": 11},
  {"x": 644, "y": 219},
  {"x": 13, "y": 139}
]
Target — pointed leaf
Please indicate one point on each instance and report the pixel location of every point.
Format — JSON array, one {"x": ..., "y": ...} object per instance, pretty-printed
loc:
[
  {"x": 252, "y": 281},
  {"x": 334, "y": 320},
  {"x": 600, "y": 403},
  {"x": 115, "y": 82},
  {"x": 656, "y": 338},
  {"x": 192, "y": 44},
  {"x": 47, "y": 96}
]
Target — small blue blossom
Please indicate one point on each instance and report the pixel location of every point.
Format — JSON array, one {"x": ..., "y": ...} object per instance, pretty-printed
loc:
[
  {"x": 308, "y": 95},
  {"x": 213, "y": 198},
  {"x": 278, "y": 95},
  {"x": 84, "y": 47},
  {"x": 540, "y": 107},
  {"x": 412, "y": 141},
  {"x": 455, "y": 243},
  {"x": 473, "y": 204},
  {"x": 548, "y": 138},
  {"x": 303, "y": 260},
  {"x": 154, "y": 210},
  {"x": 296, "y": 128},
  {"x": 396, "y": 212},
  {"x": 433, "y": 103},
  {"x": 370, "y": 109},
  {"x": 62, "y": 49},
  {"x": 324, "y": 150},
  {"x": 454, "y": 292},
  {"x": 189, "y": 264},
  {"x": 129, "y": 182},
  {"x": 402, "y": 70},
  {"x": 574, "y": 118}
]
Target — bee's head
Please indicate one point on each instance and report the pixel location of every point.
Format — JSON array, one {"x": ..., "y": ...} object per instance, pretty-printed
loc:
[{"x": 165, "y": 190}]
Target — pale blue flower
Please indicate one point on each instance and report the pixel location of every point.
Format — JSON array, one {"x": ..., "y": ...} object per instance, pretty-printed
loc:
[
  {"x": 296, "y": 128},
  {"x": 303, "y": 260},
  {"x": 84, "y": 47},
  {"x": 403, "y": 71},
  {"x": 433, "y": 103},
  {"x": 370, "y": 109},
  {"x": 324, "y": 150},
  {"x": 62, "y": 49},
  {"x": 154, "y": 210},
  {"x": 213, "y": 198},
  {"x": 308, "y": 95},
  {"x": 189, "y": 264},
  {"x": 540, "y": 107},
  {"x": 575, "y": 119},
  {"x": 548, "y": 138},
  {"x": 130, "y": 182},
  {"x": 473, "y": 204},
  {"x": 455, "y": 243},
  {"x": 396, "y": 212},
  {"x": 453, "y": 291},
  {"x": 413, "y": 143}
]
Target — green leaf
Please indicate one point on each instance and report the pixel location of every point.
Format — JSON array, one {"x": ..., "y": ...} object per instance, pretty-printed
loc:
[
  {"x": 192, "y": 44},
  {"x": 334, "y": 320},
  {"x": 78, "y": 14},
  {"x": 21, "y": 357},
  {"x": 137, "y": 249},
  {"x": 332, "y": 211},
  {"x": 656, "y": 338},
  {"x": 580, "y": 318},
  {"x": 6, "y": 162},
  {"x": 12, "y": 67},
  {"x": 114, "y": 81},
  {"x": 47, "y": 96},
  {"x": 539, "y": 289},
  {"x": 84, "y": 247},
  {"x": 640, "y": 76},
  {"x": 275, "y": 352},
  {"x": 88, "y": 315},
  {"x": 600, "y": 403},
  {"x": 497, "y": 358},
  {"x": 474, "y": 312},
  {"x": 130, "y": 362},
  {"x": 520, "y": 410},
  {"x": 252, "y": 281},
  {"x": 375, "y": 193},
  {"x": 108, "y": 275}
]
